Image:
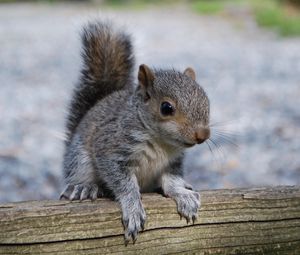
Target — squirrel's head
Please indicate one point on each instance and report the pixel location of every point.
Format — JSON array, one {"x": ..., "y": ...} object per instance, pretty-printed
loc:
[{"x": 174, "y": 106}]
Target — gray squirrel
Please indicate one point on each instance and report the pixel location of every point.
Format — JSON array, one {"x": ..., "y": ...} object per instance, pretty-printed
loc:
[{"x": 124, "y": 139}]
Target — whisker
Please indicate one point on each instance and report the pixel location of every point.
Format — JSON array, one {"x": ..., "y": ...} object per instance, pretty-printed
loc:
[
  {"x": 209, "y": 147},
  {"x": 232, "y": 137},
  {"x": 223, "y": 123},
  {"x": 228, "y": 133},
  {"x": 225, "y": 134},
  {"x": 227, "y": 140},
  {"x": 227, "y": 137},
  {"x": 214, "y": 143},
  {"x": 216, "y": 159},
  {"x": 218, "y": 149}
]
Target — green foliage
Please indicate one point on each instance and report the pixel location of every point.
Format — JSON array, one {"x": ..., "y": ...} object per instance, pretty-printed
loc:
[
  {"x": 268, "y": 13},
  {"x": 268, "y": 16},
  {"x": 137, "y": 4},
  {"x": 272, "y": 14},
  {"x": 209, "y": 7}
]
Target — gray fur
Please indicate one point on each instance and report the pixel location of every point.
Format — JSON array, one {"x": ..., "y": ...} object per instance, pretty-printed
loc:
[{"x": 123, "y": 146}]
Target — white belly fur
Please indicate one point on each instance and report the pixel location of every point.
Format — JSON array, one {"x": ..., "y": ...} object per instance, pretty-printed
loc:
[{"x": 153, "y": 160}]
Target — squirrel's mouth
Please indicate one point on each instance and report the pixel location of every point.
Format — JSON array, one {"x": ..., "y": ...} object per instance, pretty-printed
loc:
[{"x": 189, "y": 144}]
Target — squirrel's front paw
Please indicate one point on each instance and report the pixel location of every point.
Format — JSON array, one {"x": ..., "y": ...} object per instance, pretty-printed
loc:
[
  {"x": 134, "y": 218},
  {"x": 81, "y": 192},
  {"x": 188, "y": 203}
]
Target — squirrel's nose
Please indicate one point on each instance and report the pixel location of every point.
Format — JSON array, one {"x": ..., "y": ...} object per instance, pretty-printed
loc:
[{"x": 202, "y": 134}]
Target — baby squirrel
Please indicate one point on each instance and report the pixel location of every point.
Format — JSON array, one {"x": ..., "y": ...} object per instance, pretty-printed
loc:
[{"x": 124, "y": 139}]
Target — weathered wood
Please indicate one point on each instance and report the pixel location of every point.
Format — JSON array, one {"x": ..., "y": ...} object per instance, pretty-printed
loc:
[{"x": 240, "y": 221}]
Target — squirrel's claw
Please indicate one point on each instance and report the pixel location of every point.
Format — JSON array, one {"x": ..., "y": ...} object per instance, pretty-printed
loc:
[
  {"x": 66, "y": 192},
  {"x": 142, "y": 225},
  {"x": 81, "y": 192},
  {"x": 85, "y": 193},
  {"x": 188, "y": 186},
  {"x": 133, "y": 220},
  {"x": 134, "y": 236},
  {"x": 94, "y": 192},
  {"x": 188, "y": 203},
  {"x": 76, "y": 192},
  {"x": 187, "y": 220},
  {"x": 194, "y": 218}
]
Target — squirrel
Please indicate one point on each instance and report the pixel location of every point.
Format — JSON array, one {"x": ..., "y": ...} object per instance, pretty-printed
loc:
[{"x": 124, "y": 138}]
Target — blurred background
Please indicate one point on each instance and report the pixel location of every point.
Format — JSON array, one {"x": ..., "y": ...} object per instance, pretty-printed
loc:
[{"x": 246, "y": 54}]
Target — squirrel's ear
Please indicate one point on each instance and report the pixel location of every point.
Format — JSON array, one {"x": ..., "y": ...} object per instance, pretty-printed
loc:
[
  {"x": 190, "y": 73},
  {"x": 145, "y": 76}
]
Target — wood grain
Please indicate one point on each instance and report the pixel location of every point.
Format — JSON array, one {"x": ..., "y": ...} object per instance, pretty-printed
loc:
[{"x": 237, "y": 221}]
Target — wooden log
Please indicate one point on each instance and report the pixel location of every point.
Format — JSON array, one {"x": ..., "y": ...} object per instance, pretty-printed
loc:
[{"x": 237, "y": 221}]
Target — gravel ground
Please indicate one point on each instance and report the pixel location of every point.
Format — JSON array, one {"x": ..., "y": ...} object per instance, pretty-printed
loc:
[{"x": 251, "y": 76}]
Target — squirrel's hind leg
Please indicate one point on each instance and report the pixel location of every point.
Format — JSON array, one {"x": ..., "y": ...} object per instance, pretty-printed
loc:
[{"x": 80, "y": 175}]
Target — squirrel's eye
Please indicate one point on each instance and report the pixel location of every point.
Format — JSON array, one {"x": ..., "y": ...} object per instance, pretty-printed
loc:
[{"x": 166, "y": 109}]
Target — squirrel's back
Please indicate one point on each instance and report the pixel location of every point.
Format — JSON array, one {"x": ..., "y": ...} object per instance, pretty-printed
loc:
[{"x": 108, "y": 63}]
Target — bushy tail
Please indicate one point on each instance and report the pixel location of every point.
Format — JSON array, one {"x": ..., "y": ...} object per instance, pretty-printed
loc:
[{"x": 108, "y": 63}]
